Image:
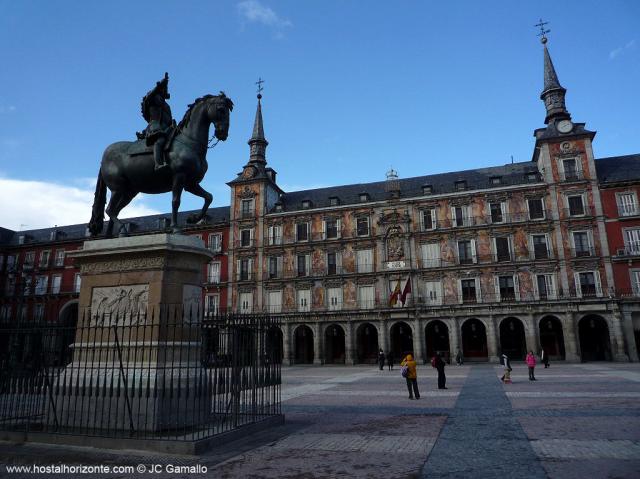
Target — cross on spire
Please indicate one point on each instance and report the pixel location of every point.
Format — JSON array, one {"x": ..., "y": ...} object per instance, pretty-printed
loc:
[
  {"x": 259, "y": 83},
  {"x": 543, "y": 31}
]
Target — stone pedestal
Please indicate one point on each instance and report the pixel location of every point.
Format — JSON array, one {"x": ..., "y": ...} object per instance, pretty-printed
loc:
[{"x": 137, "y": 351}]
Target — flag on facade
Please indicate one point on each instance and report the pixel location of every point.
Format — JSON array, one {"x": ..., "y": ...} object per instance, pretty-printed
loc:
[
  {"x": 406, "y": 291},
  {"x": 393, "y": 299}
]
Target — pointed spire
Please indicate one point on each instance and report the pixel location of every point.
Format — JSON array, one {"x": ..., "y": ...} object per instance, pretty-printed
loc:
[
  {"x": 258, "y": 143},
  {"x": 553, "y": 93}
]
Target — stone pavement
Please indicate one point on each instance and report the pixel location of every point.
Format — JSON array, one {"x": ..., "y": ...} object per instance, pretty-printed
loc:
[{"x": 576, "y": 421}]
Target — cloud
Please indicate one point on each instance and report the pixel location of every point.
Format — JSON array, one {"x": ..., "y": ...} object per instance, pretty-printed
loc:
[
  {"x": 254, "y": 12},
  {"x": 40, "y": 204},
  {"x": 613, "y": 54}
]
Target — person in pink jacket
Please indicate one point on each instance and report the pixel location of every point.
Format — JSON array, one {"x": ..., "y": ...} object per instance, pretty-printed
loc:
[{"x": 531, "y": 363}]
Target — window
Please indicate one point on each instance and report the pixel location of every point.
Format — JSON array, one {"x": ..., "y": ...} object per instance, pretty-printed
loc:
[
  {"x": 497, "y": 212},
  {"x": 246, "y": 237},
  {"x": 306, "y": 204},
  {"x": 428, "y": 219},
  {"x": 460, "y": 215},
  {"x": 532, "y": 177},
  {"x": 275, "y": 301},
  {"x": 77, "y": 281},
  {"x": 245, "y": 269},
  {"x": 430, "y": 255},
  {"x": 576, "y": 206},
  {"x": 11, "y": 263},
  {"x": 468, "y": 290},
  {"x": 496, "y": 180},
  {"x": 334, "y": 299},
  {"x": 332, "y": 228},
  {"x": 22, "y": 239},
  {"x": 505, "y": 288},
  {"x": 334, "y": 262},
  {"x": 581, "y": 243},
  {"x": 5, "y": 312},
  {"x": 56, "y": 281},
  {"x": 461, "y": 185},
  {"x": 364, "y": 261},
  {"x": 433, "y": 293},
  {"x": 59, "y": 258},
  {"x": 362, "y": 226},
  {"x": 571, "y": 169},
  {"x": 364, "y": 197},
  {"x": 588, "y": 284},
  {"x": 635, "y": 282},
  {"x": 10, "y": 285},
  {"x": 303, "y": 299},
  {"x": 246, "y": 209},
  {"x": 246, "y": 303},
  {"x": 366, "y": 297},
  {"x": 304, "y": 264},
  {"x": 41, "y": 285},
  {"x": 632, "y": 241},
  {"x": 275, "y": 267},
  {"x": 466, "y": 252},
  {"x": 213, "y": 272},
  {"x": 212, "y": 304},
  {"x": 545, "y": 286},
  {"x": 540, "y": 248},
  {"x": 215, "y": 243},
  {"x": 503, "y": 249},
  {"x": 27, "y": 285},
  {"x": 29, "y": 259},
  {"x": 302, "y": 231},
  {"x": 38, "y": 311},
  {"x": 627, "y": 204},
  {"x": 334, "y": 201},
  {"x": 44, "y": 259},
  {"x": 274, "y": 233},
  {"x": 427, "y": 189},
  {"x": 536, "y": 211}
]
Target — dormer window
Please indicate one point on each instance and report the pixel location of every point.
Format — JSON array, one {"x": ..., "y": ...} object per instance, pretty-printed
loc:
[
  {"x": 364, "y": 197},
  {"x": 53, "y": 235},
  {"x": 496, "y": 180},
  {"x": 427, "y": 189},
  {"x": 532, "y": 177},
  {"x": 334, "y": 201},
  {"x": 306, "y": 204},
  {"x": 461, "y": 185},
  {"x": 21, "y": 239},
  {"x": 278, "y": 206}
]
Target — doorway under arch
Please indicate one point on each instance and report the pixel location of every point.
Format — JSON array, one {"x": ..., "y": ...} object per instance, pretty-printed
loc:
[
  {"x": 474, "y": 340},
  {"x": 334, "y": 345},
  {"x": 552, "y": 337},
  {"x": 303, "y": 341},
  {"x": 594, "y": 338},
  {"x": 274, "y": 345},
  {"x": 512, "y": 339},
  {"x": 401, "y": 340},
  {"x": 367, "y": 344},
  {"x": 436, "y": 335}
]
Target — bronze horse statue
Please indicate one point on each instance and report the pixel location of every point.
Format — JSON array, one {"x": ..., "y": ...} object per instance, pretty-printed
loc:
[{"x": 128, "y": 167}]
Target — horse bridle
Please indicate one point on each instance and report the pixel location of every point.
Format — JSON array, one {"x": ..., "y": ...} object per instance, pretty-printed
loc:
[{"x": 208, "y": 146}]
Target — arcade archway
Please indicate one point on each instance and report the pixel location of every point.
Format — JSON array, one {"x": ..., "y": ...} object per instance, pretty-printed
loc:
[
  {"x": 401, "y": 340},
  {"x": 594, "y": 338},
  {"x": 552, "y": 337},
  {"x": 334, "y": 345},
  {"x": 303, "y": 341},
  {"x": 474, "y": 340},
  {"x": 274, "y": 345},
  {"x": 512, "y": 339},
  {"x": 436, "y": 336},
  {"x": 367, "y": 343}
]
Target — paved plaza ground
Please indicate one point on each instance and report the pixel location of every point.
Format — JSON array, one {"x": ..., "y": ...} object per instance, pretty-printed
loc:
[{"x": 575, "y": 421}]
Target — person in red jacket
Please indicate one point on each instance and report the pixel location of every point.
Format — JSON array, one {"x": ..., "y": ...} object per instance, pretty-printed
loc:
[{"x": 531, "y": 363}]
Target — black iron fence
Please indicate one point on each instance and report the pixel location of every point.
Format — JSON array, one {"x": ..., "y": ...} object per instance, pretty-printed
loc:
[{"x": 157, "y": 375}]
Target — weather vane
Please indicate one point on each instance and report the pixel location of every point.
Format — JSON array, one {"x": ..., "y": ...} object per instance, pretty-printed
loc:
[
  {"x": 543, "y": 31},
  {"x": 259, "y": 83}
]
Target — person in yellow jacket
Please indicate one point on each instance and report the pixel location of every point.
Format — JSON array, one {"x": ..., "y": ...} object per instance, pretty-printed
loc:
[{"x": 412, "y": 376}]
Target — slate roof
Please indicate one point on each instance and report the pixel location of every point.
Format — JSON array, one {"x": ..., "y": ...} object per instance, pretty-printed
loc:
[{"x": 618, "y": 168}]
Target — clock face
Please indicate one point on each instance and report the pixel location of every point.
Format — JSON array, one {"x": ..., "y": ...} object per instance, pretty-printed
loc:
[{"x": 565, "y": 126}]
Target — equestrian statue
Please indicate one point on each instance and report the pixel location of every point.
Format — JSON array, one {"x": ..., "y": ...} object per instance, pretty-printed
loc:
[{"x": 166, "y": 157}]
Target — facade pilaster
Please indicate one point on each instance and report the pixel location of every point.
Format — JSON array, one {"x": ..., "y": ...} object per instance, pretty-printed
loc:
[
  {"x": 384, "y": 337},
  {"x": 454, "y": 336},
  {"x": 287, "y": 353},
  {"x": 349, "y": 357},
  {"x": 617, "y": 338},
  {"x": 419, "y": 345},
  {"x": 570, "y": 338},
  {"x": 492, "y": 340},
  {"x": 531, "y": 334},
  {"x": 627, "y": 328},
  {"x": 318, "y": 353}
]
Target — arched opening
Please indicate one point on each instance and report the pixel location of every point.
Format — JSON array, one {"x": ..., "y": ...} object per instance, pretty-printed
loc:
[
  {"x": 552, "y": 337},
  {"x": 303, "y": 338},
  {"x": 474, "y": 340},
  {"x": 367, "y": 343},
  {"x": 436, "y": 336},
  {"x": 58, "y": 340},
  {"x": 274, "y": 345},
  {"x": 594, "y": 338},
  {"x": 334, "y": 345},
  {"x": 401, "y": 340},
  {"x": 512, "y": 339}
]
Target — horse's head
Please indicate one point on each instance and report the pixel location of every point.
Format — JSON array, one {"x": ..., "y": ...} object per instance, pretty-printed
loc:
[{"x": 218, "y": 110}]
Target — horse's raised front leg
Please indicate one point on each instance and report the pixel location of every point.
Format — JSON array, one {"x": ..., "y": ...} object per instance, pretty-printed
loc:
[
  {"x": 202, "y": 193},
  {"x": 176, "y": 190}
]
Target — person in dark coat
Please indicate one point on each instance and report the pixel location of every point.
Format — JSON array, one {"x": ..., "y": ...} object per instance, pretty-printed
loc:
[
  {"x": 544, "y": 357},
  {"x": 381, "y": 359},
  {"x": 440, "y": 364},
  {"x": 390, "y": 360}
]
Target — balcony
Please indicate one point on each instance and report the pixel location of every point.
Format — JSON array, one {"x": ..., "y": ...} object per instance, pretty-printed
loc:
[
  {"x": 244, "y": 276},
  {"x": 333, "y": 269},
  {"x": 247, "y": 214},
  {"x": 245, "y": 243},
  {"x": 628, "y": 210},
  {"x": 583, "y": 252},
  {"x": 268, "y": 275},
  {"x": 213, "y": 279},
  {"x": 573, "y": 175},
  {"x": 578, "y": 212},
  {"x": 365, "y": 268},
  {"x": 630, "y": 249}
]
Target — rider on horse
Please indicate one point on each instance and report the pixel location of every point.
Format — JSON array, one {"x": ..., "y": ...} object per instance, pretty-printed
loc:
[{"x": 157, "y": 113}]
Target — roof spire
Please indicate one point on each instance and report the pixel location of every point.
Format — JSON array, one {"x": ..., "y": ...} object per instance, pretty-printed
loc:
[
  {"x": 553, "y": 93},
  {"x": 258, "y": 143}
]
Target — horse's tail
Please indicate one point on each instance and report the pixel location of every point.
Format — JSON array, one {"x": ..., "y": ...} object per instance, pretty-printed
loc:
[{"x": 97, "y": 211}]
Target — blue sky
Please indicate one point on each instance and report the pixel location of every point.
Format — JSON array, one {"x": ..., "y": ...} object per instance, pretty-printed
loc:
[{"x": 352, "y": 88}]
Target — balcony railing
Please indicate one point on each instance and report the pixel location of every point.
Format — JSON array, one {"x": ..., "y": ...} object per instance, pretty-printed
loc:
[
  {"x": 628, "y": 210},
  {"x": 579, "y": 212},
  {"x": 247, "y": 214},
  {"x": 630, "y": 249},
  {"x": 583, "y": 252},
  {"x": 365, "y": 268},
  {"x": 244, "y": 276},
  {"x": 246, "y": 243},
  {"x": 573, "y": 175}
]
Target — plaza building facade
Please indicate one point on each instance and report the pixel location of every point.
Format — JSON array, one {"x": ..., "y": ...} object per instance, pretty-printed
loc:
[{"x": 511, "y": 258}]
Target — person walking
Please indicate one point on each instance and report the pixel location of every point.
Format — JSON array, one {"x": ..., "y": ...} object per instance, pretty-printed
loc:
[
  {"x": 390, "y": 360},
  {"x": 381, "y": 359},
  {"x": 439, "y": 365},
  {"x": 412, "y": 376},
  {"x": 531, "y": 364},
  {"x": 459, "y": 358},
  {"x": 506, "y": 377},
  {"x": 544, "y": 357}
]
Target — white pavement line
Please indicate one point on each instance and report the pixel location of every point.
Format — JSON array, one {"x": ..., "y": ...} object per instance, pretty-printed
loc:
[
  {"x": 399, "y": 393},
  {"x": 357, "y": 443},
  {"x": 297, "y": 391},
  {"x": 575, "y": 449},
  {"x": 603, "y": 370},
  {"x": 578, "y": 394},
  {"x": 351, "y": 378}
]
